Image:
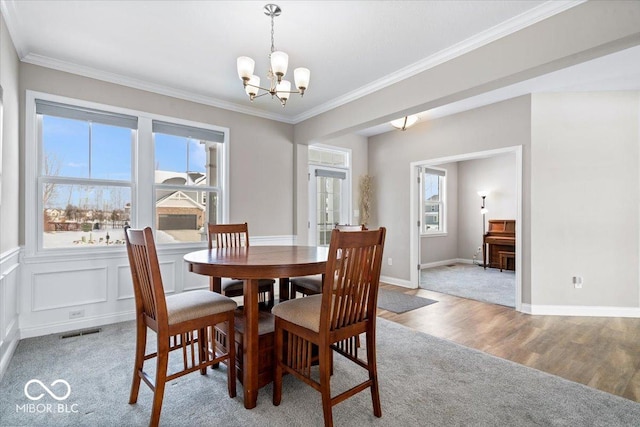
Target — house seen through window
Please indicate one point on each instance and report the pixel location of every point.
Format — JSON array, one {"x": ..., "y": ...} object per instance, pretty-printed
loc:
[{"x": 186, "y": 181}]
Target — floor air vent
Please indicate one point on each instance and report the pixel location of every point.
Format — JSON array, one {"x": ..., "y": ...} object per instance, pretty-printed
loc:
[{"x": 80, "y": 333}]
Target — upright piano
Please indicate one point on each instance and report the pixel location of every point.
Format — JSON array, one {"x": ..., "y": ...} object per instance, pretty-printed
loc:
[{"x": 501, "y": 236}]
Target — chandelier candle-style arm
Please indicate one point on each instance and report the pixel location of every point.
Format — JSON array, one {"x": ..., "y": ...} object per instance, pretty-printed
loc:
[{"x": 278, "y": 64}]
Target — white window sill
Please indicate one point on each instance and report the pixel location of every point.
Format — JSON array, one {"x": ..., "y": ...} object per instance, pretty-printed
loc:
[{"x": 437, "y": 234}]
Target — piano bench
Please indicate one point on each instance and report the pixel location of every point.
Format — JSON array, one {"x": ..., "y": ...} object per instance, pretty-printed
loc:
[{"x": 504, "y": 259}]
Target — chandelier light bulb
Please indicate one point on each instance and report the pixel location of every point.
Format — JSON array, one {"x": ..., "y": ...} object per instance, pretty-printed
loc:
[
  {"x": 245, "y": 67},
  {"x": 252, "y": 86},
  {"x": 279, "y": 64},
  {"x": 283, "y": 89},
  {"x": 301, "y": 77}
]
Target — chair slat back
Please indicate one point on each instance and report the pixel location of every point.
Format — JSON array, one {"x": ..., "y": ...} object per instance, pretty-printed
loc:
[
  {"x": 145, "y": 272},
  {"x": 352, "y": 278},
  {"x": 228, "y": 235}
]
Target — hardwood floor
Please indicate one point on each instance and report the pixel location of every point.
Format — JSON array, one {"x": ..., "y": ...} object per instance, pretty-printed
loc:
[{"x": 601, "y": 352}]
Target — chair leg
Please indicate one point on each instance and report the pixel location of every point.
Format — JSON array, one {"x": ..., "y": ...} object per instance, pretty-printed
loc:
[
  {"x": 231, "y": 351},
  {"x": 161, "y": 378},
  {"x": 325, "y": 384},
  {"x": 373, "y": 373},
  {"x": 203, "y": 346},
  {"x": 277, "y": 374},
  {"x": 141, "y": 343}
]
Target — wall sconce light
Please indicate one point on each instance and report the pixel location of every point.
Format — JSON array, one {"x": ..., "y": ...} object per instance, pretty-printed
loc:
[{"x": 405, "y": 122}]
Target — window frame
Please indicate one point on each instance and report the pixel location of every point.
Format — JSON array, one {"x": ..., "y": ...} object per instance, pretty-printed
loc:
[
  {"x": 442, "y": 203},
  {"x": 206, "y": 189},
  {"x": 141, "y": 183},
  {"x": 347, "y": 197}
]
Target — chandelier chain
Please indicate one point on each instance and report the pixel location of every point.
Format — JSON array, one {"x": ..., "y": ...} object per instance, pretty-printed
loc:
[{"x": 272, "y": 43}]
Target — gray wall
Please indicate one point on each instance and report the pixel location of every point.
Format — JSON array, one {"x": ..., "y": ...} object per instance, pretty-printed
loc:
[
  {"x": 261, "y": 150},
  {"x": 9, "y": 214},
  {"x": 496, "y": 174},
  {"x": 442, "y": 248},
  {"x": 500, "y": 125},
  {"x": 585, "y": 195}
]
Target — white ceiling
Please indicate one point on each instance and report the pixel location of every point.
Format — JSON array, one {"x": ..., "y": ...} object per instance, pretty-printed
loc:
[{"x": 188, "y": 49}]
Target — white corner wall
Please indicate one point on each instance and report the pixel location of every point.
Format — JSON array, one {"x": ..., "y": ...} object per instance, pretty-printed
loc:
[
  {"x": 585, "y": 193},
  {"x": 9, "y": 199}
]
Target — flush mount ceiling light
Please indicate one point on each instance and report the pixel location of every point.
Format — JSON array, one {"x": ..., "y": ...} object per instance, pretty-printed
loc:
[
  {"x": 405, "y": 122},
  {"x": 279, "y": 61}
]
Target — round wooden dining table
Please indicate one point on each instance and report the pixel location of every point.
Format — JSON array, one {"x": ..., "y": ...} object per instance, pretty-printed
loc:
[{"x": 251, "y": 264}]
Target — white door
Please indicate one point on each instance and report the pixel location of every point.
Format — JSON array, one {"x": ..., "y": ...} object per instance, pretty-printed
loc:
[{"x": 329, "y": 196}]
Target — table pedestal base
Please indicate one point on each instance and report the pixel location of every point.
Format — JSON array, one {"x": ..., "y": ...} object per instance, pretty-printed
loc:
[{"x": 266, "y": 339}]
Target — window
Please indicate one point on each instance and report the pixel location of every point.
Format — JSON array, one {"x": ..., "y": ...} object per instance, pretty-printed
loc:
[
  {"x": 186, "y": 181},
  {"x": 92, "y": 169},
  {"x": 432, "y": 203},
  {"x": 329, "y": 192},
  {"x": 328, "y": 157},
  {"x": 85, "y": 172}
]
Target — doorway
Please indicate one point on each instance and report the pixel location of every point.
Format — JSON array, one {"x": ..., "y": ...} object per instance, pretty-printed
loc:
[{"x": 460, "y": 256}]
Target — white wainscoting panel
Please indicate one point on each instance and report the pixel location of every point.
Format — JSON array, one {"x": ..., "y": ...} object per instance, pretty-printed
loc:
[
  {"x": 62, "y": 292},
  {"x": 9, "y": 332},
  {"x": 192, "y": 281},
  {"x": 125, "y": 283},
  {"x": 68, "y": 288}
]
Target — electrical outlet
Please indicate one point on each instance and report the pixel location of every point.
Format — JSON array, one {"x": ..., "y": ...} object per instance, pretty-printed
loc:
[
  {"x": 577, "y": 282},
  {"x": 76, "y": 314},
  {"x": 389, "y": 261}
]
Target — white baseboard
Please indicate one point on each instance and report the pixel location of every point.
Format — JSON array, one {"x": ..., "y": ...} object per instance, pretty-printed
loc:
[
  {"x": 586, "y": 311},
  {"x": 90, "y": 322},
  {"x": 446, "y": 262},
  {"x": 10, "y": 345},
  {"x": 397, "y": 282}
]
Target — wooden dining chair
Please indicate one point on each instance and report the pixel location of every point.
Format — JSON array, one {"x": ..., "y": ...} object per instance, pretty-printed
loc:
[
  {"x": 331, "y": 321},
  {"x": 237, "y": 235},
  {"x": 312, "y": 285},
  {"x": 182, "y": 322}
]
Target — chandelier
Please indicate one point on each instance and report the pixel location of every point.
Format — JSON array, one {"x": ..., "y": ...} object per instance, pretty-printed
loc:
[{"x": 279, "y": 61}]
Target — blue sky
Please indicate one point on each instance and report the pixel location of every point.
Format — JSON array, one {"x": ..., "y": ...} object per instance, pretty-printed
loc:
[
  {"x": 110, "y": 150},
  {"x": 69, "y": 154}
]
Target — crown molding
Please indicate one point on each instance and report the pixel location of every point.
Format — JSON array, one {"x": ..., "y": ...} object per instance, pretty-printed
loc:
[
  {"x": 132, "y": 82},
  {"x": 503, "y": 29},
  {"x": 8, "y": 11}
]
